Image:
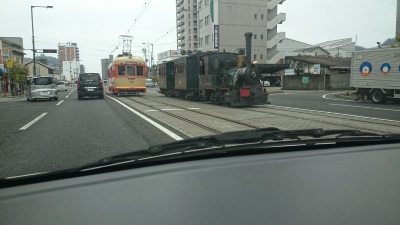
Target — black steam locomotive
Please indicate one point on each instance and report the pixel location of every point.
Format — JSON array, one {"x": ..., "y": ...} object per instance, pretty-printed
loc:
[{"x": 222, "y": 78}]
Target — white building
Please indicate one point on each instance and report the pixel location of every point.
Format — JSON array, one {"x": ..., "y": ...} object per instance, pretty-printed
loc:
[
  {"x": 186, "y": 23},
  {"x": 167, "y": 56},
  {"x": 223, "y": 23},
  {"x": 70, "y": 69}
]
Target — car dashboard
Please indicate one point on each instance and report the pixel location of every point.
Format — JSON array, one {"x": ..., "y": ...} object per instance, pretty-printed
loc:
[{"x": 354, "y": 185}]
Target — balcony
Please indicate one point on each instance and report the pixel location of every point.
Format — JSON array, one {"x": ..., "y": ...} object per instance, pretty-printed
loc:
[
  {"x": 276, "y": 39},
  {"x": 273, "y": 3},
  {"x": 275, "y": 59},
  {"x": 275, "y": 21}
]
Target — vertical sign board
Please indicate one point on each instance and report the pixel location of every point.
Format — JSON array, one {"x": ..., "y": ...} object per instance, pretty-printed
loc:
[
  {"x": 216, "y": 37},
  {"x": 317, "y": 68}
]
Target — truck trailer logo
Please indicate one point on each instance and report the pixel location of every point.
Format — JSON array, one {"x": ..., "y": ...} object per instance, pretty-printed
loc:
[
  {"x": 365, "y": 69},
  {"x": 385, "y": 68}
]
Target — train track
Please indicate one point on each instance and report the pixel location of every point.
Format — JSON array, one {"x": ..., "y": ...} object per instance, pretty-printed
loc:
[
  {"x": 331, "y": 115},
  {"x": 207, "y": 114},
  {"x": 281, "y": 109},
  {"x": 178, "y": 117}
]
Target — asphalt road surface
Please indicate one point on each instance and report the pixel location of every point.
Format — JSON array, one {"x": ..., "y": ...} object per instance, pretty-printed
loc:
[
  {"x": 327, "y": 102},
  {"x": 52, "y": 135}
]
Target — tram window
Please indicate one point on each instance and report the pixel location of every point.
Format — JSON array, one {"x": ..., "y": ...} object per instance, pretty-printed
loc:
[
  {"x": 140, "y": 70},
  {"x": 131, "y": 70},
  {"x": 121, "y": 70}
]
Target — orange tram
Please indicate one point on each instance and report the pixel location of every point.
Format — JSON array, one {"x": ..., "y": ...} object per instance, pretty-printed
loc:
[{"x": 127, "y": 75}]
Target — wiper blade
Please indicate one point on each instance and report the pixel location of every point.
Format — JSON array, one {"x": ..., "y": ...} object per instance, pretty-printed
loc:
[{"x": 233, "y": 138}]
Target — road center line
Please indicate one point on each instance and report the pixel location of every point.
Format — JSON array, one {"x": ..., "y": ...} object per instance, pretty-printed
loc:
[
  {"x": 366, "y": 107},
  {"x": 60, "y": 102},
  {"x": 325, "y": 97},
  {"x": 67, "y": 96},
  {"x": 152, "y": 122},
  {"x": 193, "y": 108},
  {"x": 326, "y": 112},
  {"x": 172, "y": 109},
  {"x": 32, "y": 122}
]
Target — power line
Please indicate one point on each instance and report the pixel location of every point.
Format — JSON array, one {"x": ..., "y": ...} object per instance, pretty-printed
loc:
[
  {"x": 165, "y": 34},
  {"x": 142, "y": 10}
]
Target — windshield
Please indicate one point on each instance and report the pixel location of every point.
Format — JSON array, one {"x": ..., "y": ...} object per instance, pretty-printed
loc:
[
  {"x": 89, "y": 77},
  {"x": 149, "y": 72},
  {"x": 43, "y": 81}
]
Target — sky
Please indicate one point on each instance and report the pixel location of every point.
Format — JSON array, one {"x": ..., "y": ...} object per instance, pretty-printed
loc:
[{"x": 97, "y": 25}]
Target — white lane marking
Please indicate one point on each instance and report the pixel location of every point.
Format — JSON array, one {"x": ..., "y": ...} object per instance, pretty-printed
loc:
[
  {"x": 193, "y": 108},
  {"x": 151, "y": 110},
  {"x": 32, "y": 122},
  {"x": 366, "y": 107},
  {"x": 335, "y": 99},
  {"x": 25, "y": 175},
  {"x": 152, "y": 122},
  {"x": 333, "y": 113},
  {"x": 67, "y": 96},
  {"x": 60, "y": 102},
  {"x": 172, "y": 109}
]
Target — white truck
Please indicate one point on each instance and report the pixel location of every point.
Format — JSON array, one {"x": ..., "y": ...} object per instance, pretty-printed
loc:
[{"x": 376, "y": 74}]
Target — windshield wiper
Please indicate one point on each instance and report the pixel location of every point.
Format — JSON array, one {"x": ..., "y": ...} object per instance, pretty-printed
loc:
[{"x": 308, "y": 136}]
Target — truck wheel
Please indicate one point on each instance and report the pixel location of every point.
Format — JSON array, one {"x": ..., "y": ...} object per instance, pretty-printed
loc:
[{"x": 378, "y": 97}]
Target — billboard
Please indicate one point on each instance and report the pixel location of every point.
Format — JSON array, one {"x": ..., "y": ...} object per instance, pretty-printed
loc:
[{"x": 317, "y": 69}]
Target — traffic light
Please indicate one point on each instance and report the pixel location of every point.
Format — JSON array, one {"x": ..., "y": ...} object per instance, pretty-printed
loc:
[{"x": 49, "y": 51}]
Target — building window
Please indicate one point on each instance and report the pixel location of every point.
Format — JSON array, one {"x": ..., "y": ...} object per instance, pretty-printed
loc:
[
  {"x": 207, "y": 2},
  {"x": 190, "y": 45},
  {"x": 206, "y": 20},
  {"x": 190, "y": 31},
  {"x": 255, "y": 16},
  {"x": 255, "y": 56},
  {"x": 189, "y": 15},
  {"x": 207, "y": 40},
  {"x": 255, "y": 36},
  {"x": 262, "y": 16},
  {"x": 189, "y": 23},
  {"x": 261, "y": 56},
  {"x": 190, "y": 38},
  {"x": 201, "y": 23},
  {"x": 262, "y": 36}
]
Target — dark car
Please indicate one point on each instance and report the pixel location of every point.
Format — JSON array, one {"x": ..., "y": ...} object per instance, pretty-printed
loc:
[{"x": 91, "y": 85}]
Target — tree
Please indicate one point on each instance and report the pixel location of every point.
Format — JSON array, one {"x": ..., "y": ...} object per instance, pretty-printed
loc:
[{"x": 18, "y": 76}]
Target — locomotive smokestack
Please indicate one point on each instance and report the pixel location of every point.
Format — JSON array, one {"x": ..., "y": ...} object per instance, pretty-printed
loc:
[{"x": 248, "y": 36}]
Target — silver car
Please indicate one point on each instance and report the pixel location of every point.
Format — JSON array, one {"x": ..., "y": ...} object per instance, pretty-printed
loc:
[
  {"x": 61, "y": 86},
  {"x": 41, "y": 88}
]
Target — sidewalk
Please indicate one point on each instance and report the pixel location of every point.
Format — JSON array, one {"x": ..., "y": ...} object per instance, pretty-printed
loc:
[{"x": 10, "y": 98}]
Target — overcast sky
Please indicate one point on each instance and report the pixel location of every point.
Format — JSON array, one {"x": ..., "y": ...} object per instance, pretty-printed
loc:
[{"x": 97, "y": 25}]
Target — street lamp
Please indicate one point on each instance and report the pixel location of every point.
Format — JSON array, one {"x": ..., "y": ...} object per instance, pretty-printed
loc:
[{"x": 33, "y": 36}]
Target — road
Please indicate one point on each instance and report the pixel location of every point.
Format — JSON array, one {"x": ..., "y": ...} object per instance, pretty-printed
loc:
[
  {"x": 52, "y": 135},
  {"x": 69, "y": 133},
  {"x": 326, "y": 101}
]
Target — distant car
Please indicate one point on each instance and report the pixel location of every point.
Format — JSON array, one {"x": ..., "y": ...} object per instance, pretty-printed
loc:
[
  {"x": 90, "y": 84},
  {"x": 61, "y": 86},
  {"x": 41, "y": 88},
  {"x": 150, "y": 83}
]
